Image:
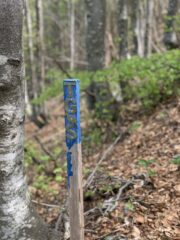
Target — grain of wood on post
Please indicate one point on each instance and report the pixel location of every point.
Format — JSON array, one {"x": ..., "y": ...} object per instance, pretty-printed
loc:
[{"x": 74, "y": 157}]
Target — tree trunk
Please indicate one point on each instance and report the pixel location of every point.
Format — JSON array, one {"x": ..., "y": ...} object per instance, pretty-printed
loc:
[
  {"x": 33, "y": 76},
  {"x": 95, "y": 36},
  {"x": 41, "y": 46},
  {"x": 149, "y": 27},
  {"x": 41, "y": 58},
  {"x": 72, "y": 33},
  {"x": 111, "y": 52},
  {"x": 134, "y": 12},
  {"x": 141, "y": 27},
  {"x": 123, "y": 28},
  {"x": 170, "y": 38},
  {"x": 18, "y": 220}
]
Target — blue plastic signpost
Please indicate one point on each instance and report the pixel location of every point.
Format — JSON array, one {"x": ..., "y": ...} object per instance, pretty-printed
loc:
[{"x": 74, "y": 157}]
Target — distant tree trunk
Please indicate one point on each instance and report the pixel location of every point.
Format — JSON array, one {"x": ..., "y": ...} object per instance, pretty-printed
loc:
[
  {"x": 41, "y": 46},
  {"x": 123, "y": 28},
  {"x": 149, "y": 27},
  {"x": 134, "y": 23},
  {"x": 18, "y": 219},
  {"x": 111, "y": 52},
  {"x": 33, "y": 92},
  {"x": 95, "y": 36},
  {"x": 72, "y": 33},
  {"x": 41, "y": 60},
  {"x": 141, "y": 27},
  {"x": 170, "y": 38}
]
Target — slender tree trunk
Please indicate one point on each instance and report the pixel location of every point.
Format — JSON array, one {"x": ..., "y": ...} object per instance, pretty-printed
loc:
[
  {"x": 31, "y": 51},
  {"x": 72, "y": 33},
  {"x": 123, "y": 28},
  {"x": 41, "y": 58},
  {"x": 149, "y": 27},
  {"x": 18, "y": 220},
  {"x": 111, "y": 52},
  {"x": 95, "y": 40},
  {"x": 41, "y": 46},
  {"x": 141, "y": 27},
  {"x": 33, "y": 77},
  {"x": 170, "y": 38},
  {"x": 134, "y": 12},
  {"x": 42, "y": 110}
]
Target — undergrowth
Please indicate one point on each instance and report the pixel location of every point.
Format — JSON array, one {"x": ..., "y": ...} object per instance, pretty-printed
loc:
[{"x": 148, "y": 81}]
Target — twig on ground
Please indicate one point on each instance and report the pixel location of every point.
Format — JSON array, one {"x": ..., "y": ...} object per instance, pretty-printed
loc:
[
  {"x": 107, "y": 234},
  {"x": 104, "y": 156},
  {"x": 110, "y": 204},
  {"x": 92, "y": 211},
  {"x": 46, "y": 204}
]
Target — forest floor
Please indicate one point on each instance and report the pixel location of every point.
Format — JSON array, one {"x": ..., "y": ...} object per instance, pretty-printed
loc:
[{"x": 136, "y": 193}]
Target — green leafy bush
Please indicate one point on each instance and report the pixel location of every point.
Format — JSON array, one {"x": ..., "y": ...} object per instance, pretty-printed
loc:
[{"x": 148, "y": 81}]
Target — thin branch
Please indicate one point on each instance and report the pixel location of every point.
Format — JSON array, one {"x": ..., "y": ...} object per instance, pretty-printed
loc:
[
  {"x": 44, "y": 148},
  {"x": 58, "y": 63},
  {"x": 104, "y": 156},
  {"x": 46, "y": 204}
]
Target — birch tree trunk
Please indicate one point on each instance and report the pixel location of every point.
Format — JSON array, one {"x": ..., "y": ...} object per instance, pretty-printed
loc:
[
  {"x": 123, "y": 28},
  {"x": 95, "y": 36},
  {"x": 18, "y": 220},
  {"x": 170, "y": 38}
]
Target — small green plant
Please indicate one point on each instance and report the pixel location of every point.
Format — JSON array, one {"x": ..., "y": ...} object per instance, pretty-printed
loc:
[
  {"x": 107, "y": 189},
  {"x": 134, "y": 126},
  {"x": 152, "y": 172},
  {"x": 89, "y": 194},
  {"x": 129, "y": 206},
  {"x": 57, "y": 151},
  {"x": 58, "y": 174},
  {"x": 42, "y": 182},
  {"x": 147, "y": 165},
  {"x": 176, "y": 160}
]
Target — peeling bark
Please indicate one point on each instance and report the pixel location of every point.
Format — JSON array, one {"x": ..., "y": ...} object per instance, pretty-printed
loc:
[{"x": 18, "y": 220}]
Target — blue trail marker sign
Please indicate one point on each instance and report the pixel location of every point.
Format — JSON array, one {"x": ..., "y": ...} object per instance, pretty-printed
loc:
[{"x": 74, "y": 157}]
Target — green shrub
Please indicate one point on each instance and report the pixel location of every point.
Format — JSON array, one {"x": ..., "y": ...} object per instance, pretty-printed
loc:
[{"x": 148, "y": 81}]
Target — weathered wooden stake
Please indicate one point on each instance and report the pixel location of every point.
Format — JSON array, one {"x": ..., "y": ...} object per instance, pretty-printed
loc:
[{"x": 74, "y": 157}]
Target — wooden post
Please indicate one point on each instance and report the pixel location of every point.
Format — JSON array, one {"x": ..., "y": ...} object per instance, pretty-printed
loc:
[{"x": 74, "y": 157}]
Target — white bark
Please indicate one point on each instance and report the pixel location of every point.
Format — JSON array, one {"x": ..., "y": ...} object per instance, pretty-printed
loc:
[{"x": 18, "y": 221}]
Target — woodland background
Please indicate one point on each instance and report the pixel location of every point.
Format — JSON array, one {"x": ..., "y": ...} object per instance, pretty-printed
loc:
[{"x": 126, "y": 55}]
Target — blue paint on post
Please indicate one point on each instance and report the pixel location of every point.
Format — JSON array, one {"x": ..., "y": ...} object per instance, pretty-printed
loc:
[
  {"x": 72, "y": 119},
  {"x": 69, "y": 167}
]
